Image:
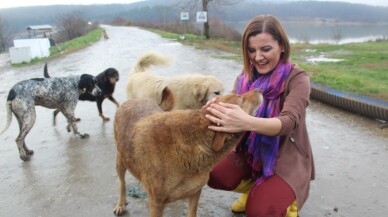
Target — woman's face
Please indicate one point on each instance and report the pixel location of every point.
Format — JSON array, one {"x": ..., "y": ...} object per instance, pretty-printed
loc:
[{"x": 264, "y": 52}]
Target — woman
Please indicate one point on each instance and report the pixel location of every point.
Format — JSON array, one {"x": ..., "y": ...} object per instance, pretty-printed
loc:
[{"x": 273, "y": 165}]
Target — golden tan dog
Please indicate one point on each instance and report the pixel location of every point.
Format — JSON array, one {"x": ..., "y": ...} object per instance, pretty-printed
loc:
[
  {"x": 105, "y": 34},
  {"x": 171, "y": 153},
  {"x": 191, "y": 91}
]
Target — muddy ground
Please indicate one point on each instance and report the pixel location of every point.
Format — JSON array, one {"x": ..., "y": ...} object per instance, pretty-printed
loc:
[{"x": 69, "y": 176}]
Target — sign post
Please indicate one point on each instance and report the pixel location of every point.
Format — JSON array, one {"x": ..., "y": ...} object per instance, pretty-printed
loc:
[
  {"x": 201, "y": 18},
  {"x": 185, "y": 19},
  {"x": 184, "y": 16}
]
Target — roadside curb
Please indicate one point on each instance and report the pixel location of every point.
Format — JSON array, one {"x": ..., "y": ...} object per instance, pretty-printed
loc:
[{"x": 366, "y": 106}]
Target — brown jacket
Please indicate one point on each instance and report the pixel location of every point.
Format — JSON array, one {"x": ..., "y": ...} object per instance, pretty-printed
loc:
[{"x": 295, "y": 162}]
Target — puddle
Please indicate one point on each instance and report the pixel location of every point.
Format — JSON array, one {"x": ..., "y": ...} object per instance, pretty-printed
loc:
[{"x": 323, "y": 59}]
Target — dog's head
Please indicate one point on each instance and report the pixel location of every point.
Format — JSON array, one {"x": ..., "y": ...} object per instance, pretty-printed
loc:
[
  {"x": 249, "y": 102},
  {"x": 208, "y": 89},
  {"x": 88, "y": 83},
  {"x": 111, "y": 75}
]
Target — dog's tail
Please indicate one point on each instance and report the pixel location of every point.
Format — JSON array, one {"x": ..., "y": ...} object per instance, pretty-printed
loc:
[
  {"x": 147, "y": 60},
  {"x": 9, "y": 116},
  {"x": 45, "y": 71}
]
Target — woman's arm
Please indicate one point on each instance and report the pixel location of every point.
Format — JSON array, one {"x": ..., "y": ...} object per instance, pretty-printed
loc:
[{"x": 233, "y": 119}]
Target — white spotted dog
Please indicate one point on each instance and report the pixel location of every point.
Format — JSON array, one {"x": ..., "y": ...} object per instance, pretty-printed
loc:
[{"x": 60, "y": 93}]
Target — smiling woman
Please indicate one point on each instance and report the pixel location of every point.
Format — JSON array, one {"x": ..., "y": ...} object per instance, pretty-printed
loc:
[{"x": 274, "y": 157}]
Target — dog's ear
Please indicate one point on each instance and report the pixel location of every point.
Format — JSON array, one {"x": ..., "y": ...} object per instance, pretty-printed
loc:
[
  {"x": 200, "y": 92},
  {"x": 168, "y": 100},
  {"x": 106, "y": 75},
  {"x": 83, "y": 82},
  {"x": 219, "y": 140}
]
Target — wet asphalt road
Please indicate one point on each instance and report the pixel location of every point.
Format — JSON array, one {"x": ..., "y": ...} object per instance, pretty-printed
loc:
[{"x": 69, "y": 176}]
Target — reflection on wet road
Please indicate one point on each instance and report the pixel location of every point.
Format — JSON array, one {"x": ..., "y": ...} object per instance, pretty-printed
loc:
[{"x": 69, "y": 176}]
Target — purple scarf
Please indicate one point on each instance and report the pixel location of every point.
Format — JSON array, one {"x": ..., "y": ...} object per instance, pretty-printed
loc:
[{"x": 263, "y": 149}]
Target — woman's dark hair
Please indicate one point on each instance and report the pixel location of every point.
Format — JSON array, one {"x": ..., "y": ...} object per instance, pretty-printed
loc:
[{"x": 264, "y": 24}]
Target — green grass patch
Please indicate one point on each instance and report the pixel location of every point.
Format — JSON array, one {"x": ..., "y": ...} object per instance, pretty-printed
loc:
[
  {"x": 363, "y": 71},
  {"x": 76, "y": 44},
  {"x": 175, "y": 36}
]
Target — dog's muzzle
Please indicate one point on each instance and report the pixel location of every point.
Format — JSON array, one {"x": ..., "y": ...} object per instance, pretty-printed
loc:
[{"x": 96, "y": 91}]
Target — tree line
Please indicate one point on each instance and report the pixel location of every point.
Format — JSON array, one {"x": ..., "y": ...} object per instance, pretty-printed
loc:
[
  {"x": 239, "y": 11},
  {"x": 169, "y": 11}
]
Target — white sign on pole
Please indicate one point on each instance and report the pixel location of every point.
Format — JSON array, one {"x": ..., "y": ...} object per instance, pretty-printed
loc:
[
  {"x": 184, "y": 16},
  {"x": 201, "y": 16}
]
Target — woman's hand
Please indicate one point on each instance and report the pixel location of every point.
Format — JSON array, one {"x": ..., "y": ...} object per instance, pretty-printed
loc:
[
  {"x": 228, "y": 118},
  {"x": 212, "y": 100}
]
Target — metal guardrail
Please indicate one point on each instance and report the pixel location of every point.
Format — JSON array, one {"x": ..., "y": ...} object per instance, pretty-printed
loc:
[{"x": 368, "y": 107}]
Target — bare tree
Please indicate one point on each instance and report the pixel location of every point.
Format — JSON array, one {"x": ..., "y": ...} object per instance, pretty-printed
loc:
[
  {"x": 303, "y": 38},
  {"x": 337, "y": 35},
  {"x": 5, "y": 34},
  {"x": 72, "y": 25},
  {"x": 205, "y": 4}
]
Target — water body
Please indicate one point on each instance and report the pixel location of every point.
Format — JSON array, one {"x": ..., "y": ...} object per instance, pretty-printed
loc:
[{"x": 319, "y": 32}]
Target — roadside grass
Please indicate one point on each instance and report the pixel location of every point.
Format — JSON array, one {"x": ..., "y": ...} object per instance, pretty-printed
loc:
[
  {"x": 67, "y": 47},
  {"x": 200, "y": 42},
  {"x": 363, "y": 71}
]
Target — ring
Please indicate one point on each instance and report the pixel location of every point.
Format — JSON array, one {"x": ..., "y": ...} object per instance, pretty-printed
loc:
[{"x": 218, "y": 123}]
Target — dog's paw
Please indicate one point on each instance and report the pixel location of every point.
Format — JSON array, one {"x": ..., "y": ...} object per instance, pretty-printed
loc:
[
  {"x": 25, "y": 157},
  {"x": 105, "y": 119},
  {"x": 119, "y": 210},
  {"x": 25, "y": 154},
  {"x": 83, "y": 136},
  {"x": 30, "y": 152}
]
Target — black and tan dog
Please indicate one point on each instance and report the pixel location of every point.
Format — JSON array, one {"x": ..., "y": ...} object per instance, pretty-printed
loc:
[
  {"x": 106, "y": 81},
  {"x": 59, "y": 93}
]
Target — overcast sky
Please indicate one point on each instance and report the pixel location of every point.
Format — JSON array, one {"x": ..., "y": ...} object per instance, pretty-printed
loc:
[{"x": 21, "y": 3}]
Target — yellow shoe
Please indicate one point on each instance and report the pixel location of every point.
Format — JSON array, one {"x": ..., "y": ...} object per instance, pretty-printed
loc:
[
  {"x": 239, "y": 205},
  {"x": 244, "y": 187},
  {"x": 292, "y": 210}
]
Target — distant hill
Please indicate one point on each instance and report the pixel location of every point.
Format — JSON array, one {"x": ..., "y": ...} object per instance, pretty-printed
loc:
[
  {"x": 166, "y": 11},
  {"x": 339, "y": 11}
]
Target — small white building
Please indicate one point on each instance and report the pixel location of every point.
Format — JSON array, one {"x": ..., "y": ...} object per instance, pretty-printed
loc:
[
  {"x": 20, "y": 54},
  {"x": 40, "y": 47},
  {"x": 25, "y": 50}
]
